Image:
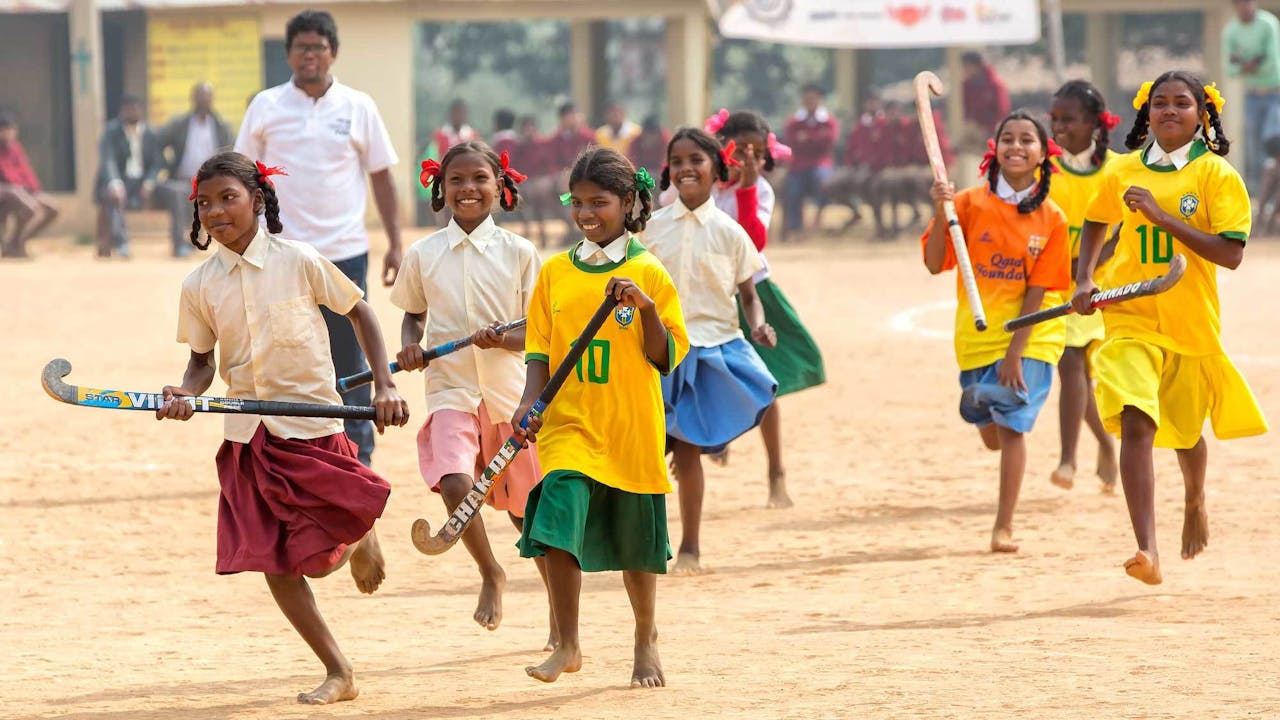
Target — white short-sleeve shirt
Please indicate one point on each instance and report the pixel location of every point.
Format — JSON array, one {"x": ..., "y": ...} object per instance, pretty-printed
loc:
[
  {"x": 707, "y": 254},
  {"x": 262, "y": 310},
  {"x": 727, "y": 200},
  {"x": 327, "y": 145},
  {"x": 464, "y": 282}
]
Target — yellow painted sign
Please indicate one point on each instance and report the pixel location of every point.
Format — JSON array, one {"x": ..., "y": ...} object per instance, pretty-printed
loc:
[{"x": 184, "y": 50}]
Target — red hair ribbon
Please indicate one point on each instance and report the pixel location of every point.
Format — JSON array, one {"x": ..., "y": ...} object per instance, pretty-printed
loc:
[
  {"x": 726, "y": 154},
  {"x": 516, "y": 176},
  {"x": 1109, "y": 120},
  {"x": 987, "y": 158},
  {"x": 1055, "y": 150},
  {"x": 715, "y": 122},
  {"x": 780, "y": 152},
  {"x": 430, "y": 169},
  {"x": 194, "y": 183},
  {"x": 265, "y": 173}
]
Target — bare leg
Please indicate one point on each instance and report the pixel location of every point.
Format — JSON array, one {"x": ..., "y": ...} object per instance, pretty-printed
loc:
[
  {"x": 1013, "y": 465},
  {"x": 990, "y": 435},
  {"x": 103, "y": 234},
  {"x": 553, "y": 637},
  {"x": 565, "y": 581},
  {"x": 771, "y": 431},
  {"x": 1108, "y": 468},
  {"x": 294, "y": 597},
  {"x": 1138, "y": 477},
  {"x": 23, "y": 208},
  {"x": 50, "y": 213},
  {"x": 688, "y": 462},
  {"x": 1071, "y": 408},
  {"x": 1195, "y": 524},
  {"x": 642, "y": 590},
  {"x": 488, "y": 614}
]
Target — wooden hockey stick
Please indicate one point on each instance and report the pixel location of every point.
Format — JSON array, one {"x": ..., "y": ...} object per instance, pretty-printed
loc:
[
  {"x": 55, "y": 370},
  {"x": 354, "y": 381},
  {"x": 470, "y": 506},
  {"x": 1103, "y": 298},
  {"x": 925, "y": 83}
]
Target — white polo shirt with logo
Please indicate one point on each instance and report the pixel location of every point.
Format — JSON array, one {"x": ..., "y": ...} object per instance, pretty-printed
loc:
[{"x": 327, "y": 145}]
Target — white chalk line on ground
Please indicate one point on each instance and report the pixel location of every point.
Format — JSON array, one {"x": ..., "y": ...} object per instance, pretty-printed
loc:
[{"x": 907, "y": 321}]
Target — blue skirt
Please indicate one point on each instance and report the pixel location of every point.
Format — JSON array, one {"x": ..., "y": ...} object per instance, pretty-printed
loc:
[
  {"x": 983, "y": 400},
  {"x": 716, "y": 394}
]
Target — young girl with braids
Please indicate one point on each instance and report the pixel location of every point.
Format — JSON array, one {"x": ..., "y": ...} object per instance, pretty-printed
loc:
[
  {"x": 1162, "y": 369},
  {"x": 295, "y": 500},
  {"x": 461, "y": 281},
  {"x": 722, "y": 388},
  {"x": 1082, "y": 127},
  {"x": 602, "y": 503},
  {"x": 1017, "y": 243},
  {"x": 794, "y": 361}
]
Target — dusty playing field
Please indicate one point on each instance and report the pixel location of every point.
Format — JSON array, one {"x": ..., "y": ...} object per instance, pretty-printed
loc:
[{"x": 875, "y": 597}]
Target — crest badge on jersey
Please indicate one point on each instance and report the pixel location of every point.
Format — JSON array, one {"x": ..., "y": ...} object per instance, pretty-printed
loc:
[
  {"x": 1188, "y": 205},
  {"x": 624, "y": 315},
  {"x": 1035, "y": 244}
]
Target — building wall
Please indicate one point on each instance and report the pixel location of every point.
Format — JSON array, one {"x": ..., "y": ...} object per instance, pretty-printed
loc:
[{"x": 40, "y": 94}]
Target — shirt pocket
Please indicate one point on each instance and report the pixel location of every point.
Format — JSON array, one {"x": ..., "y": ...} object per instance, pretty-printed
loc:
[
  {"x": 716, "y": 271},
  {"x": 292, "y": 322}
]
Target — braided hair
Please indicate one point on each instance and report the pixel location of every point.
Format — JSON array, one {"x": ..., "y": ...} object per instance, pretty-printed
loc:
[
  {"x": 508, "y": 192},
  {"x": 614, "y": 173},
  {"x": 747, "y": 122},
  {"x": 233, "y": 164},
  {"x": 1140, "y": 132},
  {"x": 706, "y": 144},
  {"x": 1094, "y": 104},
  {"x": 1034, "y": 200}
]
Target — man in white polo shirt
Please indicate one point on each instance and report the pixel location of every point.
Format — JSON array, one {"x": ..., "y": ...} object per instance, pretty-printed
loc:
[{"x": 328, "y": 136}]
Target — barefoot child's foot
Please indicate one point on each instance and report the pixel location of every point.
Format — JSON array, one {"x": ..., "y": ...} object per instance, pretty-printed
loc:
[
  {"x": 648, "y": 668},
  {"x": 778, "y": 497},
  {"x": 1108, "y": 470},
  {"x": 1195, "y": 530},
  {"x": 337, "y": 687},
  {"x": 367, "y": 566},
  {"x": 489, "y": 607},
  {"x": 1145, "y": 567},
  {"x": 687, "y": 563},
  {"x": 1002, "y": 541},
  {"x": 562, "y": 660},
  {"x": 1064, "y": 477}
]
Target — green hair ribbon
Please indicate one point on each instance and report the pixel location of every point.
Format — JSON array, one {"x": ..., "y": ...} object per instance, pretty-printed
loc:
[
  {"x": 644, "y": 180},
  {"x": 566, "y": 198}
]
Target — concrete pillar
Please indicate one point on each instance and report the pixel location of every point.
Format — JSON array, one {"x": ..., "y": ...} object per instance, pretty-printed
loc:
[
  {"x": 846, "y": 90},
  {"x": 1233, "y": 120},
  {"x": 599, "y": 80},
  {"x": 84, "y": 27},
  {"x": 688, "y": 44},
  {"x": 1101, "y": 35},
  {"x": 953, "y": 80},
  {"x": 580, "y": 70}
]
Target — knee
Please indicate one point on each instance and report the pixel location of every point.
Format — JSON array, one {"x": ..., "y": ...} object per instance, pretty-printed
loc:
[
  {"x": 455, "y": 487},
  {"x": 1135, "y": 426}
]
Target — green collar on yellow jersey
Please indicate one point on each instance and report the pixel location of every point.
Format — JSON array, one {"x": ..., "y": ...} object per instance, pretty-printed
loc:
[
  {"x": 1198, "y": 148},
  {"x": 1093, "y": 170},
  {"x": 634, "y": 248}
]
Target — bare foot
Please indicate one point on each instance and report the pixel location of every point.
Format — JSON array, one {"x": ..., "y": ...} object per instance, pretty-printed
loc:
[
  {"x": 335, "y": 688},
  {"x": 553, "y": 642},
  {"x": 1064, "y": 477},
  {"x": 720, "y": 457},
  {"x": 562, "y": 660},
  {"x": 1195, "y": 530},
  {"x": 489, "y": 607},
  {"x": 367, "y": 566},
  {"x": 648, "y": 668},
  {"x": 1108, "y": 470},
  {"x": 1145, "y": 567},
  {"x": 1002, "y": 541},
  {"x": 778, "y": 497},
  {"x": 687, "y": 563}
]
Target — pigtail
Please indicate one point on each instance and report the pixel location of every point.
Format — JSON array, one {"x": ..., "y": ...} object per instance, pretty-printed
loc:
[
  {"x": 639, "y": 217},
  {"x": 722, "y": 167},
  {"x": 1101, "y": 144},
  {"x": 993, "y": 173},
  {"x": 271, "y": 208},
  {"x": 195, "y": 230},
  {"x": 1220, "y": 144},
  {"x": 437, "y": 194},
  {"x": 1141, "y": 124},
  {"x": 1033, "y": 201},
  {"x": 509, "y": 198},
  {"x": 664, "y": 180}
]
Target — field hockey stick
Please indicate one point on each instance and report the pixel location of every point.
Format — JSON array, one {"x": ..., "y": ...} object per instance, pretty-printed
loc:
[
  {"x": 354, "y": 381},
  {"x": 470, "y": 506},
  {"x": 1103, "y": 298},
  {"x": 53, "y": 373},
  {"x": 925, "y": 83}
]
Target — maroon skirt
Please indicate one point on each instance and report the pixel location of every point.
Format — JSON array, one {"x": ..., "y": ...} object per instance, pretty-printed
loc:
[{"x": 291, "y": 507}]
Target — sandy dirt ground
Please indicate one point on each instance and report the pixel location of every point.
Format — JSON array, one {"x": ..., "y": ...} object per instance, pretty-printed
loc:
[{"x": 873, "y": 598}]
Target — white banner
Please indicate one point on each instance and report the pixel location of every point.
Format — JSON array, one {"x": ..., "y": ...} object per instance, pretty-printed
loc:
[{"x": 882, "y": 23}]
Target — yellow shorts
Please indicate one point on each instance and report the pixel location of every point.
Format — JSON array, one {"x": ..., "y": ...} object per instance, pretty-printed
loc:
[
  {"x": 1177, "y": 391},
  {"x": 1084, "y": 329}
]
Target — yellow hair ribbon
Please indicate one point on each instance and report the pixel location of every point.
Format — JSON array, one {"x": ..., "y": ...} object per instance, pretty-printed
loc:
[
  {"x": 1213, "y": 96},
  {"x": 1144, "y": 93}
]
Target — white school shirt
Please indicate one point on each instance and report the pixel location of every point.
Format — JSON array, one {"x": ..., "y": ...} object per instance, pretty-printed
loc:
[
  {"x": 202, "y": 143},
  {"x": 727, "y": 201},
  {"x": 327, "y": 145},
  {"x": 262, "y": 311},
  {"x": 464, "y": 282},
  {"x": 1158, "y": 156},
  {"x": 707, "y": 254},
  {"x": 592, "y": 254},
  {"x": 1005, "y": 191}
]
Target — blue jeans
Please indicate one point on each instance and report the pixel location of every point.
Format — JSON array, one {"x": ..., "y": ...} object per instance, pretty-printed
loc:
[
  {"x": 348, "y": 358},
  {"x": 800, "y": 186},
  {"x": 1256, "y": 109}
]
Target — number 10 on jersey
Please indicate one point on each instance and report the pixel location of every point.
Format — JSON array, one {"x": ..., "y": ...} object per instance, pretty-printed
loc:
[{"x": 1156, "y": 243}]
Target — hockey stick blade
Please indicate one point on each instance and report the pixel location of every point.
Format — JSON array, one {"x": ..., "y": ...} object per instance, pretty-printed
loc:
[{"x": 1103, "y": 298}]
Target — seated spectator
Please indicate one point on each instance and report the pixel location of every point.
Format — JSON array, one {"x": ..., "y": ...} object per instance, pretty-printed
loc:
[
  {"x": 539, "y": 200},
  {"x": 909, "y": 178},
  {"x": 812, "y": 133},
  {"x": 504, "y": 133},
  {"x": 571, "y": 137},
  {"x": 617, "y": 132},
  {"x": 851, "y": 183},
  {"x": 20, "y": 196},
  {"x": 649, "y": 148},
  {"x": 129, "y": 159}
]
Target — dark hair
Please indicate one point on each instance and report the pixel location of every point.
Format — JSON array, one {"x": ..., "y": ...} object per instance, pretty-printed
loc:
[
  {"x": 508, "y": 195},
  {"x": 457, "y": 104},
  {"x": 814, "y": 88},
  {"x": 744, "y": 122},
  {"x": 651, "y": 123},
  {"x": 1141, "y": 124},
  {"x": 973, "y": 57},
  {"x": 7, "y": 119},
  {"x": 316, "y": 21},
  {"x": 233, "y": 164},
  {"x": 706, "y": 143},
  {"x": 1032, "y": 201},
  {"x": 130, "y": 100},
  {"x": 504, "y": 119},
  {"x": 529, "y": 120},
  {"x": 565, "y": 108},
  {"x": 615, "y": 173},
  {"x": 1094, "y": 104}
]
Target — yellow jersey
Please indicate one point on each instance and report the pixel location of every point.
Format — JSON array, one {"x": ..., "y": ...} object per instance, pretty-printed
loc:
[
  {"x": 1073, "y": 190},
  {"x": 608, "y": 421},
  {"x": 1207, "y": 194}
]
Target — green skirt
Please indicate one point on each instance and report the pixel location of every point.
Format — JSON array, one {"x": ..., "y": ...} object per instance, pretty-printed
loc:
[
  {"x": 603, "y": 527},
  {"x": 796, "y": 362}
]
